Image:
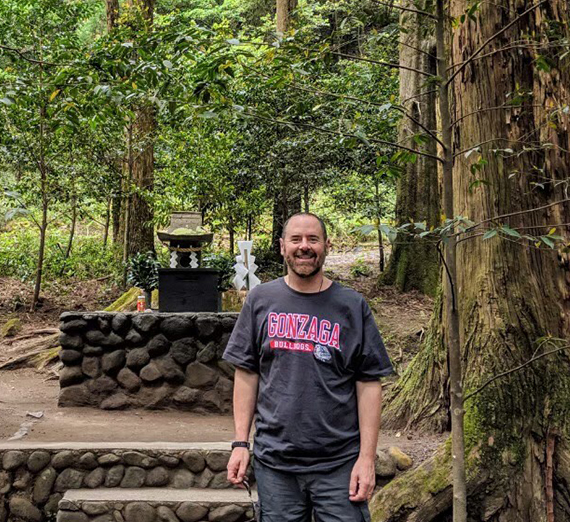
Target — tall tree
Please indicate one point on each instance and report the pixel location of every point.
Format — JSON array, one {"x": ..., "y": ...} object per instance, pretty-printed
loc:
[
  {"x": 139, "y": 165},
  {"x": 414, "y": 264},
  {"x": 514, "y": 304},
  {"x": 287, "y": 195}
]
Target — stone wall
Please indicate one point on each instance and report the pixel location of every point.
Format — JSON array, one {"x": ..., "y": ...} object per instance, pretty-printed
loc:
[
  {"x": 75, "y": 511},
  {"x": 33, "y": 481},
  {"x": 35, "y": 477},
  {"x": 146, "y": 360}
]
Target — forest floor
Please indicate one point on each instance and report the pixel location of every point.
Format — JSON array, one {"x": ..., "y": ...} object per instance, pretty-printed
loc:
[{"x": 402, "y": 319}]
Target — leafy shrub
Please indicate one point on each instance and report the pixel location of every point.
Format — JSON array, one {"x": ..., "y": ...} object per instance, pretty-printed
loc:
[
  {"x": 223, "y": 262},
  {"x": 143, "y": 271},
  {"x": 360, "y": 269},
  {"x": 265, "y": 258},
  {"x": 19, "y": 246}
]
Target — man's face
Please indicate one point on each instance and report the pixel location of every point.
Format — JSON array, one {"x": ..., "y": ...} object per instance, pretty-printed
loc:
[{"x": 304, "y": 247}]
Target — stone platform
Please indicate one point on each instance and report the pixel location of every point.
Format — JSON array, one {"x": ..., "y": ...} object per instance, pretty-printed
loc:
[
  {"x": 146, "y": 360},
  {"x": 174, "y": 482},
  {"x": 152, "y": 504},
  {"x": 34, "y": 477}
]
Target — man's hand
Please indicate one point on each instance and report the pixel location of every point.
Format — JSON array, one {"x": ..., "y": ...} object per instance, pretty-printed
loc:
[
  {"x": 362, "y": 480},
  {"x": 237, "y": 466}
]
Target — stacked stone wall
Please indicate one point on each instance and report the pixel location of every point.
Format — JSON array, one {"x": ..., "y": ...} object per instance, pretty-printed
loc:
[
  {"x": 73, "y": 511},
  {"x": 146, "y": 360},
  {"x": 33, "y": 481}
]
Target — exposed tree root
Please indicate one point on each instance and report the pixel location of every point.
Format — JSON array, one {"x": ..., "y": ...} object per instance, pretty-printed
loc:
[
  {"x": 409, "y": 403},
  {"x": 30, "y": 351},
  {"x": 504, "y": 489}
]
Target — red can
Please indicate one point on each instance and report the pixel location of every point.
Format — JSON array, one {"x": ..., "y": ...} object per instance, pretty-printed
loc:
[{"x": 141, "y": 303}]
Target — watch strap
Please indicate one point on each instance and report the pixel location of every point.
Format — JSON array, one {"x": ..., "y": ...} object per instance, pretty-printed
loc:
[{"x": 240, "y": 444}]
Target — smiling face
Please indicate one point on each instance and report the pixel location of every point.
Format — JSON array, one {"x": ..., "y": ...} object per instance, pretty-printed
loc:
[{"x": 304, "y": 246}]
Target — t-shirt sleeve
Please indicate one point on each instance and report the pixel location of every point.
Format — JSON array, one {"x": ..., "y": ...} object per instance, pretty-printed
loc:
[
  {"x": 373, "y": 360},
  {"x": 242, "y": 350}
]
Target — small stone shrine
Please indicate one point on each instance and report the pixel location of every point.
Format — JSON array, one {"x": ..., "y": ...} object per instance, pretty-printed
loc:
[{"x": 186, "y": 286}]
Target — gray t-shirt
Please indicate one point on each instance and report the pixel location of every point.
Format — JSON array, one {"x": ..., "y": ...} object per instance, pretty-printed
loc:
[{"x": 309, "y": 350}]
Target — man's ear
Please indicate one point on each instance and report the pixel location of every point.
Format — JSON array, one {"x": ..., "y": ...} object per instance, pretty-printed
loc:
[
  {"x": 281, "y": 246},
  {"x": 328, "y": 246}
]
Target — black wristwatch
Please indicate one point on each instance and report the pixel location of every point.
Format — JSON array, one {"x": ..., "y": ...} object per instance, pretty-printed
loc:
[{"x": 240, "y": 444}]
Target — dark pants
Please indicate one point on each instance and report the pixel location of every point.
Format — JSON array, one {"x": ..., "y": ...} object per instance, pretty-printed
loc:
[{"x": 288, "y": 497}]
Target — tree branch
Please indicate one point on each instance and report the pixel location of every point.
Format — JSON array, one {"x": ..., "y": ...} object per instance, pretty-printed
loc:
[
  {"x": 421, "y": 51},
  {"x": 520, "y": 45},
  {"x": 432, "y": 91},
  {"x": 408, "y": 9},
  {"x": 344, "y": 134},
  {"x": 485, "y": 109},
  {"x": 384, "y": 64},
  {"x": 22, "y": 55},
  {"x": 518, "y": 213},
  {"x": 491, "y": 38},
  {"x": 360, "y": 100},
  {"x": 513, "y": 370},
  {"x": 463, "y": 151}
]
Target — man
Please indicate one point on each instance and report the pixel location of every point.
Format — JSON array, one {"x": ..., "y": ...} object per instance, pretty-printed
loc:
[{"x": 308, "y": 360}]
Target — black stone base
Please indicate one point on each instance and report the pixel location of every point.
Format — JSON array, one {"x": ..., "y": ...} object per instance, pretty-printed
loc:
[{"x": 188, "y": 290}]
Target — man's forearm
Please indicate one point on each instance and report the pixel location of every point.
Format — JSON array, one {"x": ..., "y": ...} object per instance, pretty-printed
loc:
[
  {"x": 245, "y": 398},
  {"x": 369, "y": 397}
]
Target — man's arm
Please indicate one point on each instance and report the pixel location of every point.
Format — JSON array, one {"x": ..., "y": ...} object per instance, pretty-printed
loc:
[
  {"x": 245, "y": 399},
  {"x": 363, "y": 477}
]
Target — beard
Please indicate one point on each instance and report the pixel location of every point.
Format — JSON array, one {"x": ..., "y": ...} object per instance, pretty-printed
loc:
[{"x": 305, "y": 270}]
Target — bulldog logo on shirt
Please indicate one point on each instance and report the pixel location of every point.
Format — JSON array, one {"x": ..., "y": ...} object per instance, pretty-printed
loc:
[{"x": 322, "y": 353}]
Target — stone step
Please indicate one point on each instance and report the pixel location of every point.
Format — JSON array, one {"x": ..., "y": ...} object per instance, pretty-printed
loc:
[
  {"x": 35, "y": 476},
  {"x": 154, "y": 505}
]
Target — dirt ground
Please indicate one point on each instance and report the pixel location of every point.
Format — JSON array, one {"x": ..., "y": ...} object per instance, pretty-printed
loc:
[{"x": 25, "y": 391}]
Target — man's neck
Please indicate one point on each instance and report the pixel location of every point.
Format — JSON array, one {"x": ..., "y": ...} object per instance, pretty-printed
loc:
[{"x": 307, "y": 285}]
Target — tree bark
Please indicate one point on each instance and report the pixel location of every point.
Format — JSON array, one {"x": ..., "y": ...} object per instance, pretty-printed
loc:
[
  {"x": 283, "y": 16},
  {"x": 414, "y": 264},
  {"x": 42, "y": 166},
  {"x": 140, "y": 232},
  {"x": 379, "y": 219},
  {"x": 107, "y": 223},
  {"x": 286, "y": 202},
  {"x": 511, "y": 294},
  {"x": 112, "y": 9},
  {"x": 71, "y": 235},
  {"x": 231, "y": 230}
]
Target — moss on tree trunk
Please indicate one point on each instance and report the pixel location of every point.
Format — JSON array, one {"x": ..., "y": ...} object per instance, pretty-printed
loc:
[
  {"x": 511, "y": 294},
  {"x": 414, "y": 265}
]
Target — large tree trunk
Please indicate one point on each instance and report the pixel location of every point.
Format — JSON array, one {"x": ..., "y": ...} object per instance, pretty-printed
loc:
[
  {"x": 139, "y": 231},
  {"x": 414, "y": 265},
  {"x": 286, "y": 202},
  {"x": 511, "y": 294}
]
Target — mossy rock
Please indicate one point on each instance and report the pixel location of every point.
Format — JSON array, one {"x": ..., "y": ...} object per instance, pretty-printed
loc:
[
  {"x": 11, "y": 327},
  {"x": 126, "y": 302}
]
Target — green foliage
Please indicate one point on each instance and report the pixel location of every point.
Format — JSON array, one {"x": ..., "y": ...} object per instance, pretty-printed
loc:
[
  {"x": 88, "y": 258},
  {"x": 269, "y": 268},
  {"x": 360, "y": 268},
  {"x": 142, "y": 271},
  {"x": 225, "y": 264}
]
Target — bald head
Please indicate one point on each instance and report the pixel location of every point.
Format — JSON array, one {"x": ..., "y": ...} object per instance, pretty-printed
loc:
[{"x": 305, "y": 215}]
